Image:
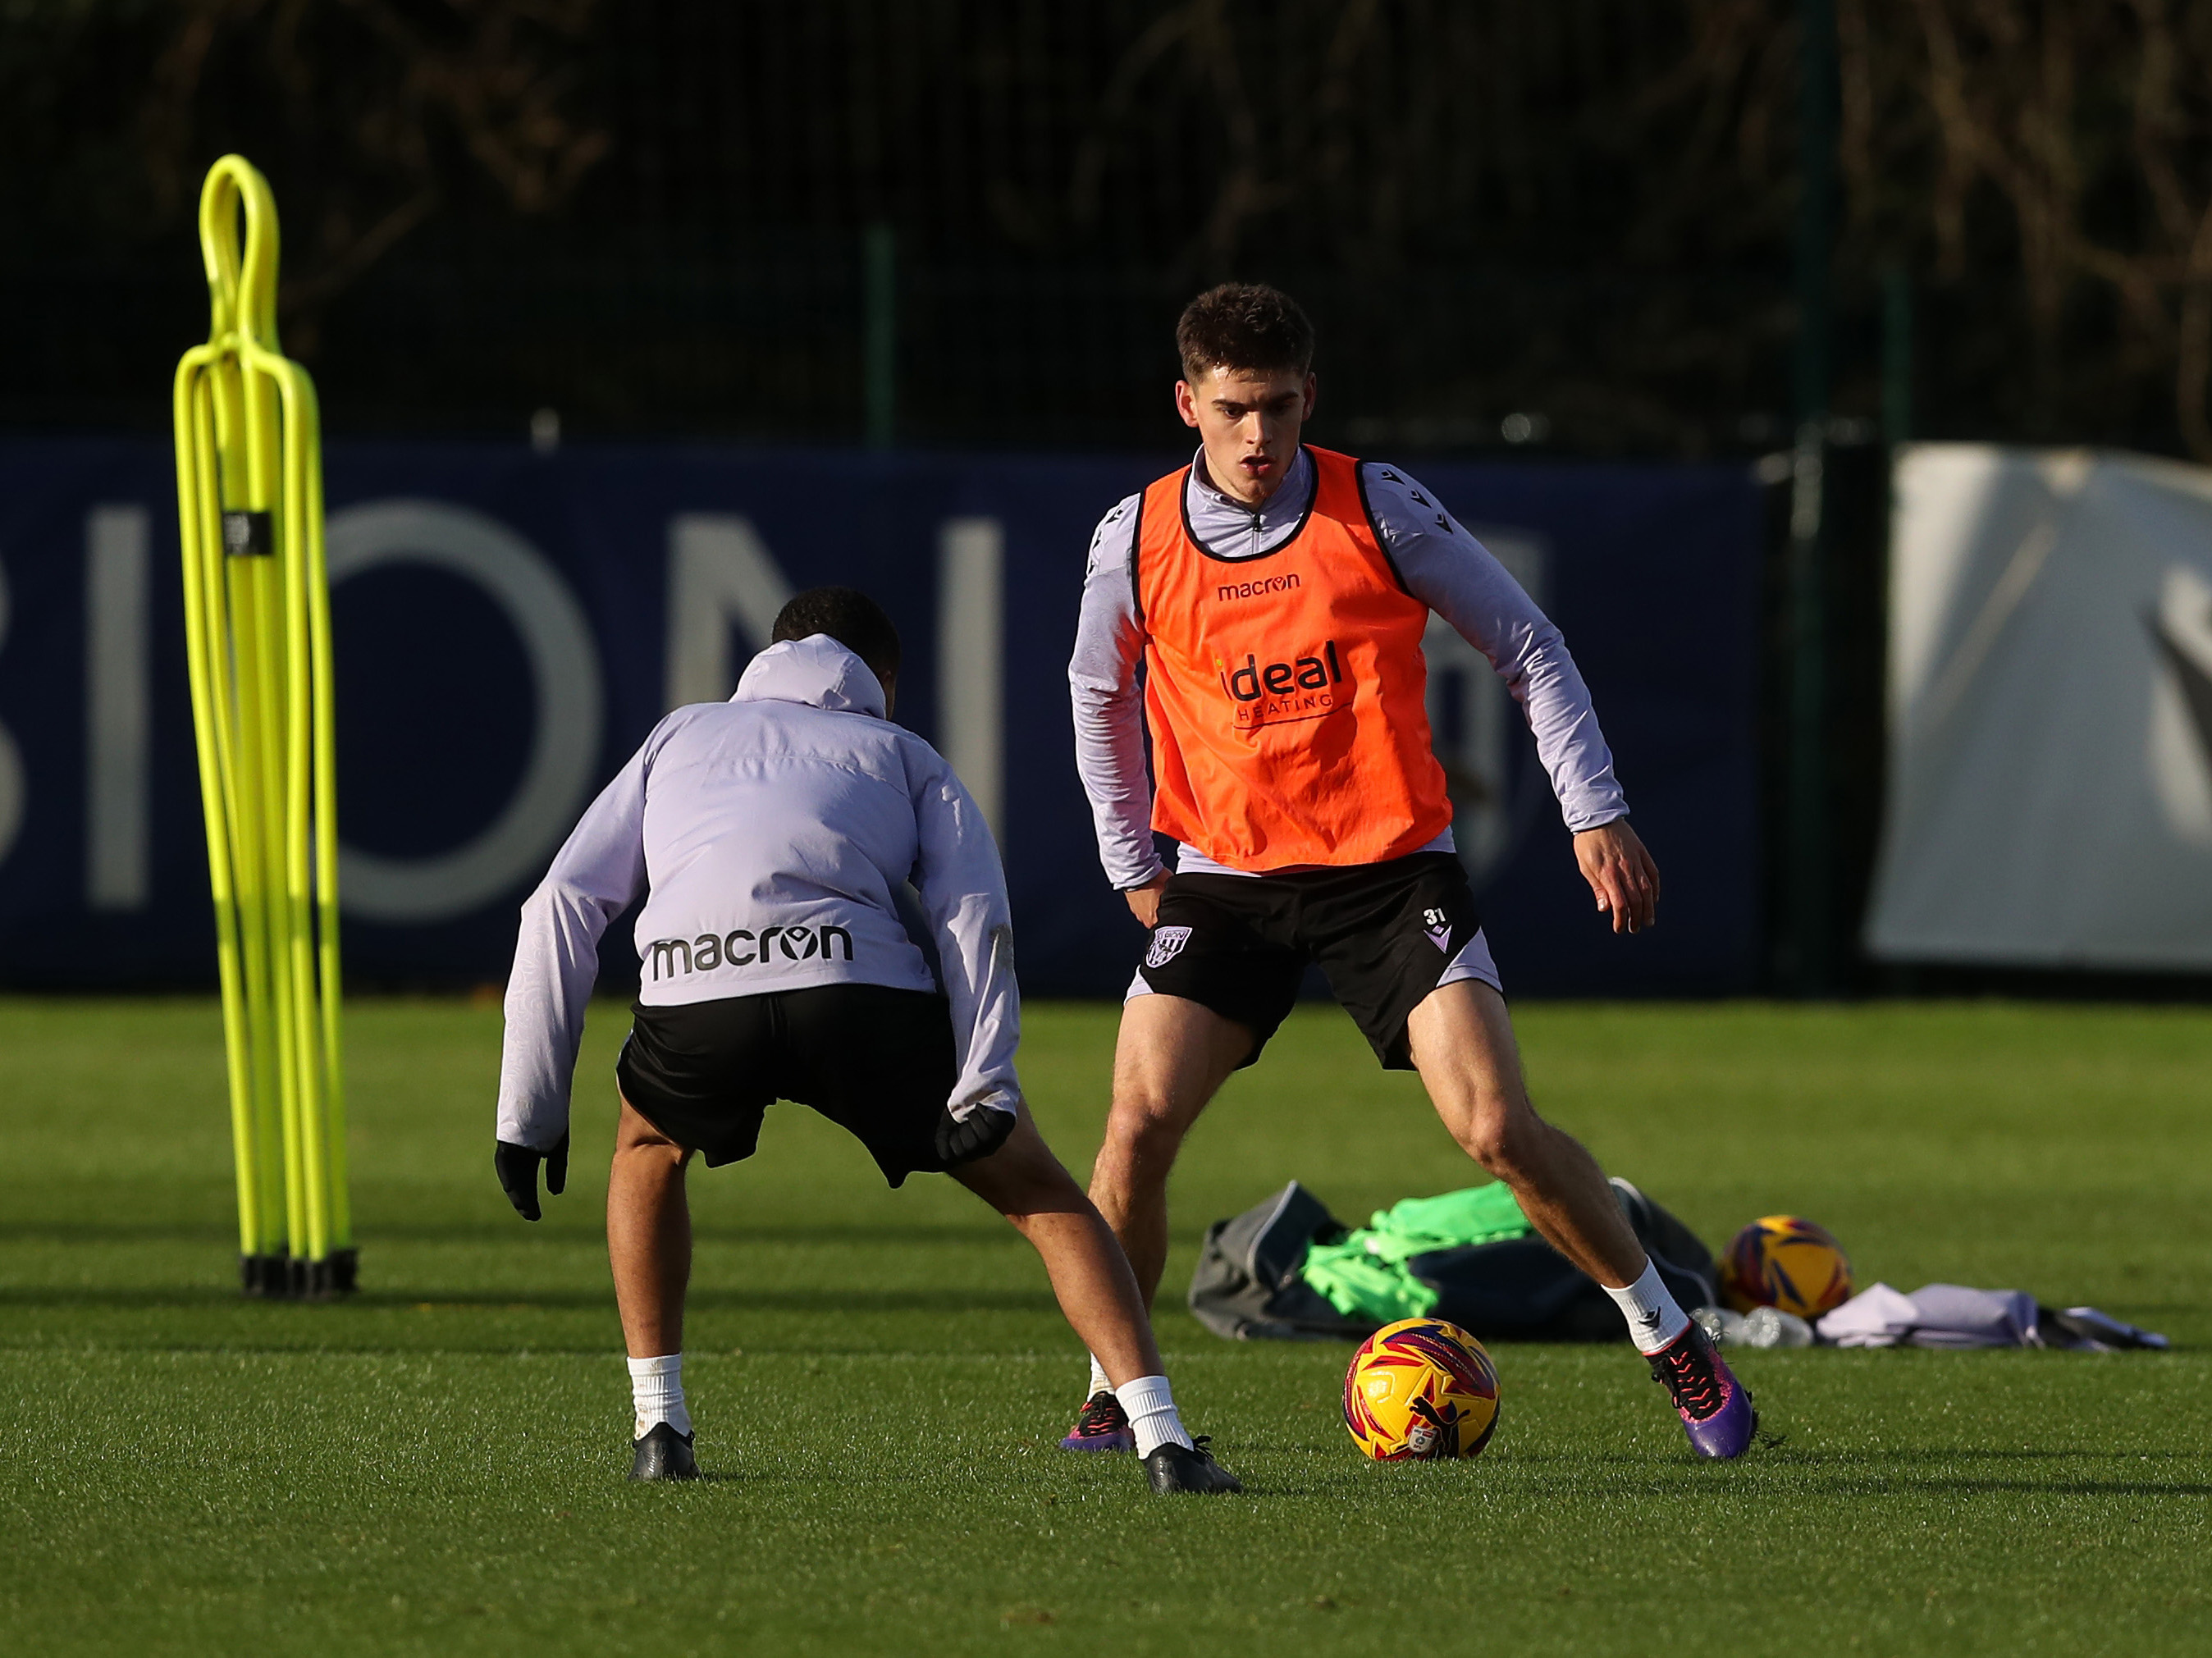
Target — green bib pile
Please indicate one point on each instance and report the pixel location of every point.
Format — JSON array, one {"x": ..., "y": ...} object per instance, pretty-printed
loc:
[{"x": 1366, "y": 1275}]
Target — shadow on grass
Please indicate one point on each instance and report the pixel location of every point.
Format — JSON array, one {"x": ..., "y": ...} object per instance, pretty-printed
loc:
[
  {"x": 1809, "y": 1461},
  {"x": 1967, "y": 1454},
  {"x": 827, "y": 1300},
  {"x": 1671, "y": 1474},
  {"x": 1584, "y": 1491},
  {"x": 1906, "y": 1487},
  {"x": 222, "y": 1233}
]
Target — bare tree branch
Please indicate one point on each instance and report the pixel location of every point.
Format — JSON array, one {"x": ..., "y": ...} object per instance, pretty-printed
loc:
[{"x": 380, "y": 86}]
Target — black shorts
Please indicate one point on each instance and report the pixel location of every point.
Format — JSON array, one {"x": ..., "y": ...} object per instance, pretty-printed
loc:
[
  {"x": 1383, "y": 934},
  {"x": 876, "y": 1061}
]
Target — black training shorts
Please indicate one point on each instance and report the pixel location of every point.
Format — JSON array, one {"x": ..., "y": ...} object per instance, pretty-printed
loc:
[
  {"x": 1383, "y": 934},
  {"x": 876, "y": 1061}
]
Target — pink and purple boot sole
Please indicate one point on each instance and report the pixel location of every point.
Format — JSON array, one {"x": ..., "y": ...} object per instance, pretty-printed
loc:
[{"x": 1104, "y": 1426}]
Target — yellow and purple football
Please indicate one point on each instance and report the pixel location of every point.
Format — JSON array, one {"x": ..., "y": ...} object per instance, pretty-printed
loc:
[
  {"x": 1785, "y": 1261},
  {"x": 1420, "y": 1390}
]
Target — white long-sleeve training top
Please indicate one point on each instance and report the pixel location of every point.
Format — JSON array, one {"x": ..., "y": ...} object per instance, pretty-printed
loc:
[
  {"x": 772, "y": 833},
  {"x": 1443, "y": 566}
]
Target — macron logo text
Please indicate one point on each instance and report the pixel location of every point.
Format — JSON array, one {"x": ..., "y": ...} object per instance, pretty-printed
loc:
[
  {"x": 1253, "y": 589},
  {"x": 742, "y": 948}
]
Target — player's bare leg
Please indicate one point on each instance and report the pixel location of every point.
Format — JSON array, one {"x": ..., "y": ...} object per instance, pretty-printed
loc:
[
  {"x": 649, "y": 1247},
  {"x": 1097, "y": 1293},
  {"x": 649, "y": 1235},
  {"x": 1170, "y": 1060},
  {"x": 1090, "y": 1277},
  {"x": 1463, "y": 1047},
  {"x": 1172, "y": 1057}
]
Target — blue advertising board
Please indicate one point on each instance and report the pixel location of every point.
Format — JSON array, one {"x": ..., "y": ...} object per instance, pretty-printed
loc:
[{"x": 510, "y": 625}]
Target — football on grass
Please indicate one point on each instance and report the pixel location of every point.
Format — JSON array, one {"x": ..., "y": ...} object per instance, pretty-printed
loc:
[
  {"x": 1420, "y": 1390},
  {"x": 1785, "y": 1261}
]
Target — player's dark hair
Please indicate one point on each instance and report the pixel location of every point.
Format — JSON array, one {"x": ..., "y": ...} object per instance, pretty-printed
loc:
[
  {"x": 1246, "y": 325},
  {"x": 848, "y": 616}
]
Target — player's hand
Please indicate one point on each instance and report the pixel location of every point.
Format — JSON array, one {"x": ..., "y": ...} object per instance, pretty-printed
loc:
[
  {"x": 517, "y": 1166},
  {"x": 984, "y": 1132},
  {"x": 1145, "y": 901},
  {"x": 1620, "y": 872}
]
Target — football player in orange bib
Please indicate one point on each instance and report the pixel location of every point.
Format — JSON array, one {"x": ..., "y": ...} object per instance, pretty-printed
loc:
[{"x": 1258, "y": 614}]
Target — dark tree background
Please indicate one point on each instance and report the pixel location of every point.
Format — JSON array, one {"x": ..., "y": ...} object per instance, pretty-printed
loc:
[{"x": 651, "y": 215}]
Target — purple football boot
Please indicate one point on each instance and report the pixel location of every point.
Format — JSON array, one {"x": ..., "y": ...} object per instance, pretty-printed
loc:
[
  {"x": 1104, "y": 1426},
  {"x": 1715, "y": 1408}
]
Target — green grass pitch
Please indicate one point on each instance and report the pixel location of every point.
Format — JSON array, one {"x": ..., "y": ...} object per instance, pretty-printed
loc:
[{"x": 879, "y": 1377}]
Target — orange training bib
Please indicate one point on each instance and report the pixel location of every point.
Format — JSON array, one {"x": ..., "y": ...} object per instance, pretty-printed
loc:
[{"x": 1286, "y": 694}]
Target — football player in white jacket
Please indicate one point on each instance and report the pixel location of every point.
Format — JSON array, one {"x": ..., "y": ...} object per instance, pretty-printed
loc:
[{"x": 771, "y": 835}]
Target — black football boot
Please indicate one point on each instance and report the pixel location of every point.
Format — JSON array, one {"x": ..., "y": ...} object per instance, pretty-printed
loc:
[
  {"x": 1174, "y": 1467},
  {"x": 663, "y": 1453}
]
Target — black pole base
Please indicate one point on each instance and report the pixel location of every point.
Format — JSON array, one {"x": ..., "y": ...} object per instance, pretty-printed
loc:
[{"x": 294, "y": 1278}]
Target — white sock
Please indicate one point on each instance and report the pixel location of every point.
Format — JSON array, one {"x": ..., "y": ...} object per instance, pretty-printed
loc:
[
  {"x": 1654, "y": 1320},
  {"x": 1099, "y": 1384},
  {"x": 656, "y": 1387},
  {"x": 1152, "y": 1413}
]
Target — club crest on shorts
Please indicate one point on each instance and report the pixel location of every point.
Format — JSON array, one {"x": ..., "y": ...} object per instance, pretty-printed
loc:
[
  {"x": 1437, "y": 924},
  {"x": 1166, "y": 944}
]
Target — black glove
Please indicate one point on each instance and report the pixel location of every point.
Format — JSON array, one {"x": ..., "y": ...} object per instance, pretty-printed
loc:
[
  {"x": 984, "y": 1133},
  {"x": 518, "y": 1174}
]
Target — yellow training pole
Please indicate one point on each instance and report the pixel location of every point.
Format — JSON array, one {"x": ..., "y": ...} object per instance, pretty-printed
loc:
[
  {"x": 198, "y": 526},
  {"x": 305, "y": 1029},
  {"x": 323, "y": 710},
  {"x": 257, "y": 636}
]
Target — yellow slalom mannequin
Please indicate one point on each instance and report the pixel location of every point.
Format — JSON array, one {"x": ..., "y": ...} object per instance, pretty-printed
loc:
[{"x": 258, "y": 636}]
